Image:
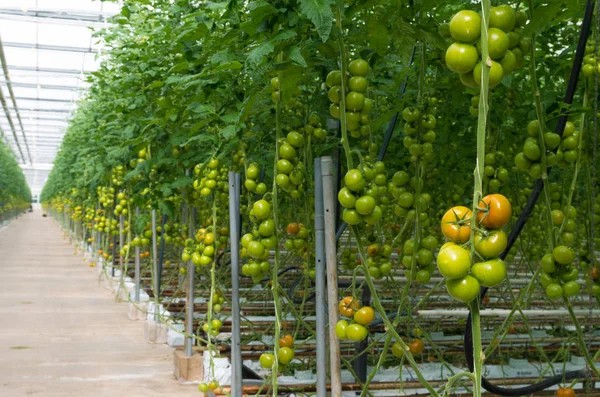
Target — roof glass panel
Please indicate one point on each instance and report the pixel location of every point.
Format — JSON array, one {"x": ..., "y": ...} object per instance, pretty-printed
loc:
[{"x": 48, "y": 46}]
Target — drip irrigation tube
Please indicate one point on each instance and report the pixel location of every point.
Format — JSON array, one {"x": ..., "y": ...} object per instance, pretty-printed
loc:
[{"x": 514, "y": 234}]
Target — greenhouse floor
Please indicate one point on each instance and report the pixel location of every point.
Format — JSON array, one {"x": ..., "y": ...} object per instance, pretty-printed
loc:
[{"x": 62, "y": 333}]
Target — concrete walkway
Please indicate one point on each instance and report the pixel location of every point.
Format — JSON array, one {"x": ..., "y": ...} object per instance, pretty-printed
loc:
[{"x": 61, "y": 333}]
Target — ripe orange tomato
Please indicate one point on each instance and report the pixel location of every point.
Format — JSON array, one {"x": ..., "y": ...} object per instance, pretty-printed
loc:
[
  {"x": 286, "y": 341},
  {"x": 348, "y": 306},
  {"x": 416, "y": 346},
  {"x": 293, "y": 228},
  {"x": 456, "y": 224},
  {"x": 565, "y": 392},
  {"x": 364, "y": 316},
  {"x": 494, "y": 211}
]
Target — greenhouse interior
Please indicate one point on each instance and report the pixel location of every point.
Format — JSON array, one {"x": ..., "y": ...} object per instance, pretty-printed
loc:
[{"x": 255, "y": 198}]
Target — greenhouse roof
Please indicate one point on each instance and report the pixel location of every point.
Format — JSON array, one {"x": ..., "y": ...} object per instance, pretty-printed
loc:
[{"x": 46, "y": 49}]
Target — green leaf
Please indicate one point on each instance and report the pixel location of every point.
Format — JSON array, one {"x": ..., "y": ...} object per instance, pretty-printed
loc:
[
  {"x": 201, "y": 108},
  {"x": 258, "y": 54},
  {"x": 182, "y": 181},
  {"x": 377, "y": 35},
  {"x": 179, "y": 67},
  {"x": 296, "y": 56},
  {"x": 319, "y": 13},
  {"x": 167, "y": 208},
  {"x": 228, "y": 132},
  {"x": 234, "y": 65},
  {"x": 284, "y": 35}
]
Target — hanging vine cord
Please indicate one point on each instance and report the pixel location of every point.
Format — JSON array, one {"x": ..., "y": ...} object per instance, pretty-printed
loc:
[
  {"x": 518, "y": 227},
  {"x": 592, "y": 243}
]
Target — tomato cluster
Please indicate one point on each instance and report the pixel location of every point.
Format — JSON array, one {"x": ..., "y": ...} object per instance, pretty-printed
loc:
[
  {"x": 354, "y": 330},
  {"x": 290, "y": 170},
  {"x": 359, "y": 196},
  {"x": 559, "y": 275},
  {"x": 591, "y": 66},
  {"x": 358, "y": 106},
  {"x": 210, "y": 178},
  {"x": 256, "y": 245},
  {"x": 296, "y": 241},
  {"x": 559, "y": 151},
  {"x": 420, "y": 134},
  {"x": 314, "y": 127},
  {"x": 285, "y": 356},
  {"x": 494, "y": 174},
  {"x": 416, "y": 346},
  {"x": 252, "y": 183},
  {"x": 505, "y": 46},
  {"x": 464, "y": 279},
  {"x": 421, "y": 256},
  {"x": 214, "y": 328}
]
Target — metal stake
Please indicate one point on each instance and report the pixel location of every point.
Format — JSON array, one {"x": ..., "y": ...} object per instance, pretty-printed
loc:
[
  {"x": 321, "y": 274},
  {"x": 137, "y": 264},
  {"x": 236, "y": 349},
  {"x": 331, "y": 258},
  {"x": 191, "y": 274},
  {"x": 155, "y": 265}
]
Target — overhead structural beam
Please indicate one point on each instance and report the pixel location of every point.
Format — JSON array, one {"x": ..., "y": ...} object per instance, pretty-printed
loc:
[
  {"x": 12, "y": 96},
  {"x": 51, "y": 47},
  {"x": 70, "y": 17},
  {"x": 47, "y": 70},
  {"x": 45, "y": 99},
  {"x": 47, "y": 86},
  {"x": 47, "y": 110},
  {"x": 31, "y": 118},
  {"x": 10, "y": 122}
]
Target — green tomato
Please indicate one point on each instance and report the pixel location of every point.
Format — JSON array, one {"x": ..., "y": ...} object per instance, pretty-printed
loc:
[
  {"x": 464, "y": 289},
  {"x": 547, "y": 264},
  {"x": 261, "y": 209},
  {"x": 461, "y": 58},
  {"x": 365, "y": 205},
  {"x": 334, "y": 78},
  {"x": 286, "y": 355},
  {"x": 356, "y": 332},
  {"x": 498, "y": 43},
  {"x": 355, "y": 101},
  {"x": 423, "y": 276},
  {"x": 267, "y": 360},
  {"x": 571, "y": 288},
  {"x": 502, "y": 17},
  {"x": 358, "y": 67},
  {"x": 397, "y": 350},
  {"x": 563, "y": 254},
  {"x": 267, "y": 228},
  {"x": 351, "y": 216},
  {"x": 492, "y": 245},
  {"x": 354, "y": 180},
  {"x": 346, "y": 198},
  {"x": 496, "y": 74},
  {"x": 424, "y": 257},
  {"x": 358, "y": 84},
  {"x": 453, "y": 261},
  {"x": 340, "y": 329},
  {"x": 429, "y": 242},
  {"x": 465, "y": 26},
  {"x": 554, "y": 291},
  {"x": 489, "y": 273}
]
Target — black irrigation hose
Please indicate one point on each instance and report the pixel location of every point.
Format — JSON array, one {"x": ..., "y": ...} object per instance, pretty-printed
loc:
[
  {"x": 388, "y": 134},
  {"x": 514, "y": 234}
]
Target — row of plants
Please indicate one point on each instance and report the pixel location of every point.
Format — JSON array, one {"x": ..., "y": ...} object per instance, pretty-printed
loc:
[
  {"x": 15, "y": 196},
  {"x": 190, "y": 90}
]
